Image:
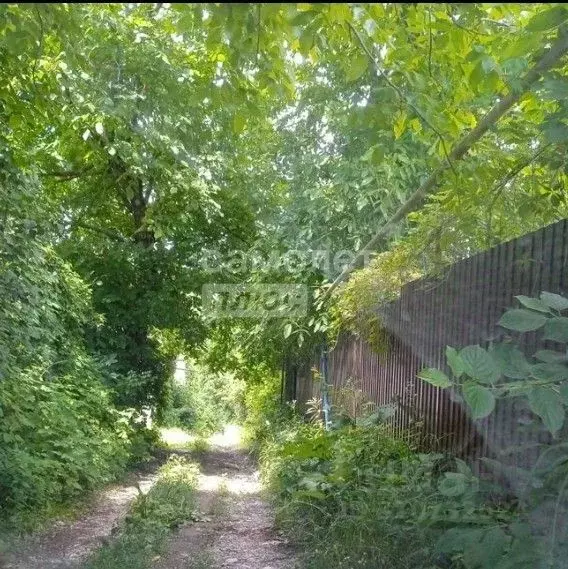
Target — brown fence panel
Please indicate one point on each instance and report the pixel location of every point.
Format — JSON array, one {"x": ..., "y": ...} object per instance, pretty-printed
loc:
[{"x": 459, "y": 308}]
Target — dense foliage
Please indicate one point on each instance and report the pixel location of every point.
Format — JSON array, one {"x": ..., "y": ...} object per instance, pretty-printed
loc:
[
  {"x": 205, "y": 401},
  {"x": 138, "y": 139},
  {"x": 161, "y": 131},
  {"x": 367, "y": 500},
  {"x": 537, "y": 383},
  {"x": 60, "y": 433}
]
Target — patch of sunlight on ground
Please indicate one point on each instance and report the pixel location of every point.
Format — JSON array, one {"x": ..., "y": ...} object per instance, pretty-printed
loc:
[
  {"x": 230, "y": 437},
  {"x": 175, "y": 437},
  {"x": 238, "y": 484}
]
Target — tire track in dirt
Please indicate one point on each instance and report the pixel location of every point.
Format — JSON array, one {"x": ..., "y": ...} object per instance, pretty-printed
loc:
[
  {"x": 67, "y": 543},
  {"x": 233, "y": 528},
  {"x": 237, "y": 528}
]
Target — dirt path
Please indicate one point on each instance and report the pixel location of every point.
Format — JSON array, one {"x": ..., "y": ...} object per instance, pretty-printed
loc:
[
  {"x": 233, "y": 529},
  {"x": 237, "y": 528},
  {"x": 66, "y": 544}
]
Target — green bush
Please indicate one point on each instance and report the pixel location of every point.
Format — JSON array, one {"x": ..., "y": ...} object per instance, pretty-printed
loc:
[
  {"x": 60, "y": 437},
  {"x": 264, "y": 410},
  {"x": 367, "y": 500},
  {"x": 59, "y": 431},
  {"x": 142, "y": 441}
]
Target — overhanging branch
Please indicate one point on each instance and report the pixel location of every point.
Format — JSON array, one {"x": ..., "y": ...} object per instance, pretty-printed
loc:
[
  {"x": 67, "y": 175},
  {"x": 417, "y": 199},
  {"x": 111, "y": 234}
]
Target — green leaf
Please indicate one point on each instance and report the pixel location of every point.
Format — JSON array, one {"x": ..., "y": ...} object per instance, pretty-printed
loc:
[
  {"x": 478, "y": 364},
  {"x": 554, "y": 301},
  {"x": 339, "y": 12},
  {"x": 453, "y": 484},
  {"x": 511, "y": 361},
  {"x": 306, "y": 41},
  {"x": 304, "y": 18},
  {"x": 399, "y": 124},
  {"x": 555, "y": 88},
  {"x": 563, "y": 390},
  {"x": 556, "y": 329},
  {"x": 548, "y": 19},
  {"x": 533, "y": 303},
  {"x": 456, "y": 539},
  {"x": 454, "y": 361},
  {"x": 239, "y": 123},
  {"x": 476, "y": 77},
  {"x": 486, "y": 553},
  {"x": 287, "y": 330},
  {"x": 547, "y": 404},
  {"x": 550, "y": 356},
  {"x": 522, "y": 320},
  {"x": 311, "y": 482},
  {"x": 480, "y": 399},
  {"x": 550, "y": 371},
  {"x": 463, "y": 468},
  {"x": 357, "y": 67},
  {"x": 306, "y": 494},
  {"x": 435, "y": 377},
  {"x": 555, "y": 132}
]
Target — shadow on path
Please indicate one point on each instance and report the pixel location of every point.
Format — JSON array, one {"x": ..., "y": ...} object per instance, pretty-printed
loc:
[{"x": 67, "y": 543}]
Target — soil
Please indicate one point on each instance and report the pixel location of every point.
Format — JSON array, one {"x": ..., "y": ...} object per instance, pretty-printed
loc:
[
  {"x": 67, "y": 543},
  {"x": 237, "y": 530},
  {"x": 233, "y": 528}
]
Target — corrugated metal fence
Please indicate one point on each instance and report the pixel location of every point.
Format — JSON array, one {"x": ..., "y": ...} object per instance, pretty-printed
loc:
[{"x": 460, "y": 308}]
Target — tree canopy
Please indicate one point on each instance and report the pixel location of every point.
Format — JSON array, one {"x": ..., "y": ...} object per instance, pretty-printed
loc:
[{"x": 156, "y": 132}]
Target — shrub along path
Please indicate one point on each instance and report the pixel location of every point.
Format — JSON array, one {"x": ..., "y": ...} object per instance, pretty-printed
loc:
[{"x": 235, "y": 526}]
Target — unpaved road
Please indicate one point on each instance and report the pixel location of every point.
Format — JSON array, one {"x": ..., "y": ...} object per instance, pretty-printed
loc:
[
  {"x": 66, "y": 544},
  {"x": 237, "y": 530},
  {"x": 234, "y": 527}
]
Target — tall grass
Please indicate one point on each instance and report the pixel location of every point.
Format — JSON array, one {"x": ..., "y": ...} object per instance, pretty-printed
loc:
[{"x": 145, "y": 531}]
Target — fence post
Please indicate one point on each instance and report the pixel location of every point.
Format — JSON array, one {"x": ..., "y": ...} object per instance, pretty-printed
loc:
[{"x": 324, "y": 388}]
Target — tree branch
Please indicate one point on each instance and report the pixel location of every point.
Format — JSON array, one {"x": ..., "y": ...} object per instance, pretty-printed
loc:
[
  {"x": 258, "y": 33},
  {"x": 114, "y": 235},
  {"x": 468, "y": 30},
  {"x": 40, "y": 45},
  {"x": 67, "y": 175},
  {"x": 430, "y": 42},
  {"x": 498, "y": 188},
  {"x": 401, "y": 94},
  {"x": 558, "y": 49}
]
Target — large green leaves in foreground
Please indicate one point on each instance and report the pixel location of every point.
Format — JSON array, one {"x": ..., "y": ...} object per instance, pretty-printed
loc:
[{"x": 483, "y": 375}]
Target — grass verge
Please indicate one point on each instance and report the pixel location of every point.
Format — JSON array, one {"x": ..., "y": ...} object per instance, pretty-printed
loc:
[
  {"x": 357, "y": 498},
  {"x": 144, "y": 533}
]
